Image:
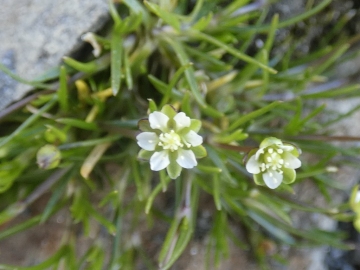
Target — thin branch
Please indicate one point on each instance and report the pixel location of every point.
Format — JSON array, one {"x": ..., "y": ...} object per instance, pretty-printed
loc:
[
  {"x": 45, "y": 186},
  {"x": 325, "y": 138},
  {"x": 21, "y": 103}
]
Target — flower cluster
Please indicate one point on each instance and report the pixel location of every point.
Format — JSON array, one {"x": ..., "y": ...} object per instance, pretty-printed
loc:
[
  {"x": 170, "y": 140},
  {"x": 273, "y": 163}
]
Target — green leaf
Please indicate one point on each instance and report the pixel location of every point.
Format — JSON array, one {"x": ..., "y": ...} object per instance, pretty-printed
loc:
[
  {"x": 271, "y": 34},
  {"x": 353, "y": 203},
  {"x": 103, "y": 221},
  {"x": 180, "y": 232},
  {"x": 94, "y": 258},
  {"x": 267, "y": 204},
  {"x": 137, "y": 8},
  {"x": 131, "y": 23},
  {"x": 11, "y": 170},
  {"x": 285, "y": 23},
  {"x": 346, "y": 90},
  {"x": 51, "y": 261},
  {"x": 203, "y": 22},
  {"x": 153, "y": 194},
  {"x": 195, "y": 125},
  {"x": 357, "y": 223},
  {"x": 169, "y": 111},
  {"x": 221, "y": 244},
  {"x": 289, "y": 176},
  {"x": 208, "y": 169},
  {"x": 114, "y": 14},
  {"x": 29, "y": 121},
  {"x": 89, "y": 143},
  {"x": 49, "y": 74},
  {"x": 212, "y": 61},
  {"x": 89, "y": 67},
  {"x": 137, "y": 179},
  {"x": 272, "y": 228},
  {"x": 174, "y": 170},
  {"x": 233, "y": 6},
  {"x": 152, "y": 105},
  {"x": 189, "y": 72},
  {"x": 199, "y": 151},
  {"x": 144, "y": 125},
  {"x": 258, "y": 178},
  {"x": 183, "y": 240},
  {"x": 264, "y": 58},
  {"x": 173, "y": 82},
  {"x": 62, "y": 92},
  {"x": 216, "y": 191},
  {"x": 158, "y": 84},
  {"x": 128, "y": 75},
  {"x": 252, "y": 115},
  {"x": 191, "y": 79},
  {"x": 237, "y": 135},
  {"x": 112, "y": 197},
  {"x": 53, "y": 134},
  {"x": 11, "y": 211},
  {"x": 77, "y": 123},
  {"x": 218, "y": 161},
  {"x": 186, "y": 106},
  {"x": 169, "y": 237},
  {"x": 21, "y": 80},
  {"x": 231, "y": 50},
  {"x": 116, "y": 59},
  {"x": 330, "y": 60},
  {"x": 53, "y": 203},
  {"x": 13, "y": 230},
  {"x": 166, "y": 16}
]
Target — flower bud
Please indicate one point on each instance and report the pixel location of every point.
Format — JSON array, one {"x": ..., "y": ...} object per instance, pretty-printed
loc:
[
  {"x": 48, "y": 157},
  {"x": 54, "y": 135}
]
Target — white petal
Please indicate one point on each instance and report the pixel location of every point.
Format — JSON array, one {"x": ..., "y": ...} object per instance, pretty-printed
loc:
[
  {"x": 290, "y": 161},
  {"x": 272, "y": 178},
  {"x": 158, "y": 120},
  {"x": 357, "y": 197},
  {"x": 186, "y": 159},
  {"x": 147, "y": 140},
  {"x": 286, "y": 147},
  {"x": 193, "y": 138},
  {"x": 252, "y": 165},
  {"x": 159, "y": 160},
  {"x": 258, "y": 153},
  {"x": 182, "y": 120}
]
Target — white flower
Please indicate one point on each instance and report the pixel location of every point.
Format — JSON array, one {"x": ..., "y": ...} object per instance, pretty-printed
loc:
[
  {"x": 357, "y": 197},
  {"x": 273, "y": 163},
  {"x": 170, "y": 141}
]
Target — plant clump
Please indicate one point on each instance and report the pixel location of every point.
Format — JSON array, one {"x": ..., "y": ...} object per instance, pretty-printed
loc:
[{"x": 213, "y": 95}]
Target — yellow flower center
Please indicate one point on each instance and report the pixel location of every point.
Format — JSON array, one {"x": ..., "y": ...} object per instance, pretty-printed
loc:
[
  {"x": 272, "y": 160},
  {"x": 171, "y": 141}
]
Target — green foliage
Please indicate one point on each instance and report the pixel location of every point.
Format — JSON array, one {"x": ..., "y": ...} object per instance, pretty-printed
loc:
[{"x": 197, "y": 59}]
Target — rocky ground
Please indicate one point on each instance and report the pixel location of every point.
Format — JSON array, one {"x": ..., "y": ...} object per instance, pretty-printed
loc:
[{"x": 36, "y": 34}]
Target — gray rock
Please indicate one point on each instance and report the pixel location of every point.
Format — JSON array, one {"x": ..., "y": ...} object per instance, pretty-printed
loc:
[{"x": 35, "y": 34}]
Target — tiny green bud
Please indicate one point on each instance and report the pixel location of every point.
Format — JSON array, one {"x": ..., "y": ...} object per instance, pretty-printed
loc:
[
  {"x": 48, "y": 157},
  {"x": 53, "y": 135}
]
